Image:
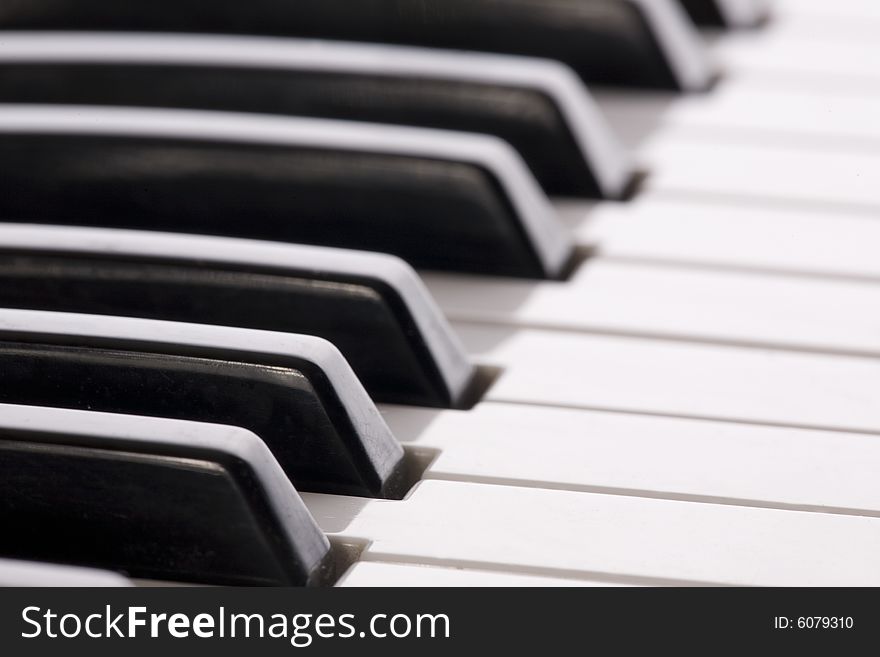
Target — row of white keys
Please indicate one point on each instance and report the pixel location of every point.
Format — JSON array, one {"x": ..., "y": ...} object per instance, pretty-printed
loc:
[
  {"x": 681, "y": 303},
  {"x": 815, "y": 144},
  {"x": 664, "y": 458},
  {"x": 641, "y": 500},
  {"x": 809, "y": 107},
  {"x": 576, "y": 531},
  {"x": 738, "y": 236},
  {"x": 842, "y": 18},
  {"x": 567, "y": 369},
  {"x": 752, "y": 114},
  {"x": 744, "y": 109},
  {"x": 647, "y": 299},
  {"x": 806, "y": 51},
  {"x": 573, "y": 494},
  {"x": 851, "y": 9},
  {"x": 671, "y": 458},
  {"x": 612, "y": 538},
  {"x": 749, "y": 176},
  {"x": 786, "y": 176},
  {"x": 737, "y": 180},
  {"x": 822, "y": 20}
]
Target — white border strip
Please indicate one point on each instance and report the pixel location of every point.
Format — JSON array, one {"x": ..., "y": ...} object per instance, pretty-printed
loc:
[
  {"x": 550, "y": 239},
  {"x": 441, "y": 341},
  {"x": 607, "y": 158}
]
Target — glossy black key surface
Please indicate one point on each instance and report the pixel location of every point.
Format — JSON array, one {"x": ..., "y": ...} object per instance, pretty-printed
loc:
[
  {"x": 604, "y": 41},
  {"x": 295, "y": 392},
  {"x": 469, "y": 93},
  {"x": 704, "y": 12},
  {"x": 156, "y": 499},
  {"x": 463, "y": 202},
  {"x": 370, "y": 306},
  {"x": 711, "y": 13}
]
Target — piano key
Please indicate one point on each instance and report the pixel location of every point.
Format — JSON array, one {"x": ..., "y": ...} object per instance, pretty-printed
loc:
[
  {"x": 539, "y": 107},
  {"x": 830, "y": 28},
  {"x": 372, "y": 307},
  {"x": 733, "y": 384},
  {"x": 852, "y": 9},
  {"x": 679, "y": 303},
  {"x": 367, "y": 574},
  {"x": 633, "y": 455},
  {"x": 154, "y": 498},
  {"x": 772, "y": 175},
  {"x": 819, "y": 119},
  {"x": 731, "y": 235},
  {"x": 295, "y": 392},
  {"x": 29, "y": 573},
  {"x": 836, "y": 64},
  {"x": 836, "y": 26},
  {"x": 629, "y": 42},
  {"x": 620, "y": 539},
  {"x": 726, "y": 13},
  {"x": 438, "y": 199}
]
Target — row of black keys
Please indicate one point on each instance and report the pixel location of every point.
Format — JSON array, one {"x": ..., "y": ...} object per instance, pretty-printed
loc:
[
  {"x": 188, "y": 502},
  {"x": 604, "y": 41},
  {"x": 172, "y": 500},
  {"x": 326, "y": 192}
]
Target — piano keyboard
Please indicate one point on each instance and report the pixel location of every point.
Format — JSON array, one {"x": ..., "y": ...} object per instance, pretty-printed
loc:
[{"x": 443, "y": 293}]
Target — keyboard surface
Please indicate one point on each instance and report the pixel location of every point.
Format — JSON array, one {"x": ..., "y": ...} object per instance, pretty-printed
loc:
[{"x": 671, "y": 378}]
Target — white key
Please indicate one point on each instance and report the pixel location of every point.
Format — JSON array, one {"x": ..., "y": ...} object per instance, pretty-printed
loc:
[
  {"x": 609, "y": 537},
  {"x": 668, "y": 458},
  {"x": 804, "y": 178},
  {"x": 822, "y": 20},
  {"x": 720, "y": 234},
  {"x": 679, "y": 379},
  {"x": 371, "y": 574},
  {"x": 851, "y": 9},
  {"x": 15, "y": 573},
  {"x": 753, "y": 114},
  {"x": 744, "y": 13},
  {"x": 849, "y": 63},
  {"x": 812, "y": 26},
  {"x": 678, "y": 303}
]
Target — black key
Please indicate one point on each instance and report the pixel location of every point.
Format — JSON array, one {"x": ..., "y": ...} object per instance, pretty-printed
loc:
[
  {"x": 372, "y": 307},
  {"x": 726, "y": 13},
  {"x": 440, "y": 200},
  {"x": 30, "y": 573},
  {"x": 620, "y": 42},
  {"x": 152, "y": 498},
  {"x": 295, "y": 392},
  {"x": 538, "y": 107}
]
